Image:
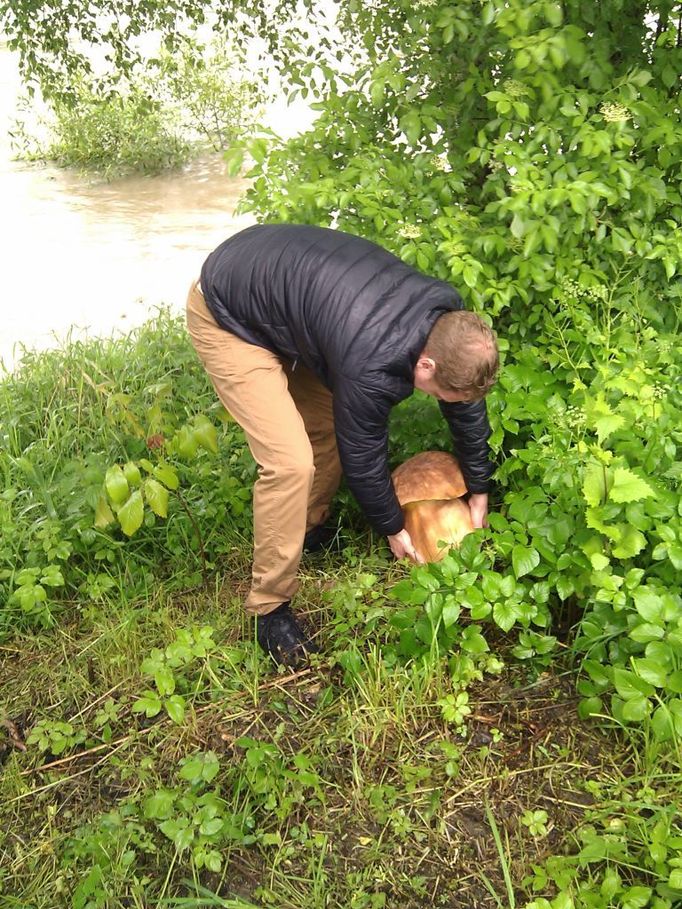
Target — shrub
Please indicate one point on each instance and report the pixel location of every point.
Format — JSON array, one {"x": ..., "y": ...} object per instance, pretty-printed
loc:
[{"x": 116, "y": 134}]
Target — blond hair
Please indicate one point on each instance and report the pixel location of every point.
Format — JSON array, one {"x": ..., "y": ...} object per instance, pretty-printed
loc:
[{"x": 464, "y": 349}]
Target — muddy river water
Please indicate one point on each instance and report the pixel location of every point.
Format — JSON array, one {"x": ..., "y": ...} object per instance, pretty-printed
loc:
[{"x": 83, "y": 257}]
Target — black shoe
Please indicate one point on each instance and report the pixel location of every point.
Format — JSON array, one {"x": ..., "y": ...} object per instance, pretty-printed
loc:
[
  {"x": 280, "y": 636},
  {"x": 319, "y": 538}
]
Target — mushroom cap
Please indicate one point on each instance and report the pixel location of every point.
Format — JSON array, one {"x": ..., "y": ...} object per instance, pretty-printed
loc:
[
  {"x": 429, "y": 475},
  {"x": 435, "y": 526}
]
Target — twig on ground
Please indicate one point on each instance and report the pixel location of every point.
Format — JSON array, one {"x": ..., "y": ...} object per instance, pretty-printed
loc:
[{"x": 14, "y": 734}]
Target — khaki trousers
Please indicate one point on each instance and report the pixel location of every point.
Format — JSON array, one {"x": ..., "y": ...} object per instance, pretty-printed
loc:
[{"x": 287, "y": 417}]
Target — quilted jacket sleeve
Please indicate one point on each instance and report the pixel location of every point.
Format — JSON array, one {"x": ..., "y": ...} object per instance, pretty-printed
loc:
[
  {"x": 470, "y": 432},
  {"x": 361, "y": 421}
]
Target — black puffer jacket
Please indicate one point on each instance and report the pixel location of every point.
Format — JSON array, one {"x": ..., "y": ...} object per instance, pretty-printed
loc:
[{"x": 358, "y": 317}]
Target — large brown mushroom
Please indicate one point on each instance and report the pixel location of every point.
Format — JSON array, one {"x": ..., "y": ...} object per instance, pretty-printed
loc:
[{"x": 429, "y": 486}]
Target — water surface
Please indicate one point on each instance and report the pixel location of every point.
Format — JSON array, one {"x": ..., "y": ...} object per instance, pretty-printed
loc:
[{"x": 86, "y": 257}]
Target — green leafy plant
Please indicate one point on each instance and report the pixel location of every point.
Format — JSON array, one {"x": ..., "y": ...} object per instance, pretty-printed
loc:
[
  {"x": 55, "y": 736},
  {"x": 169, "y": 670},
  {"x": 535, "y": 821},
  {"x": 30, "y": 593},
  {"x": 118, "y": 133},
  {"x": 192, "y": 817}
]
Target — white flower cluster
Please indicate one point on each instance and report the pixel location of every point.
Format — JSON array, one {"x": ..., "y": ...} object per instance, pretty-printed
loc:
[
  {"x": 572, "y": 289},
  {"x": 410, "y": 232},
  {"x": 613, "y": 112},
  {"x": 440, "y": 162},
  {"x": 574, "y": 417}
]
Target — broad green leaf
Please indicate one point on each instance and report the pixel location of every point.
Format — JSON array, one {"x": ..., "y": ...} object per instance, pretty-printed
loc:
[
  {"x": 200, "y": 767},
  {"x": 164, "y": 681},
  {"x": 636, "y": 708},
  {"x": 597, "y": 673},
  {"x": 213, "y": 860},
  {"x": 167, "y": 475},
  {"x": 175, "y": 707},
  {"x": 524, "y": 560},
  {"x": 590, "y": 707},
  {"x": 630, "y": 543},
  {"x": 565, "y": 586},
  {"x": 411, "y": 125},
  {"x": 149, "y": 704},
  {"x": 628, "y": 487},
  {"x": 646, "y": 632},
  {"x": 490, "y": 584},
  {"x": 205, "y": 433},
  {"x": 473, "y": 641},
  {"x": 132, "y": 473},
  {"x": 674, "y": 683},
  {"x": 594, "y": 484},
  {"x": 651, "y": 672},
  {"x": 450, "y": 614},
  {"x": 662, "y": 723},
  {"x": 636, "y": 897},
  {"x": 52, "y": 577},
  {"x": 116, "y": 485},
  {"x": 159, "y": 805},
  {"x": 518, "y": 226},
  {"x": 675, "y": 555},
  {"x": 377, "y": 91},
  {"x": 211, "y": 826},
  {"x": 629, "y": 686},
  {"x": 234, "y": 158},
  {"x": 607, "y": 425},
  {"x": 104, "y": 516},
  {"x": 504, "y": 615},
  {"x": 554, "y": 14},
  {"x": 648, "y": 604},
  {"x": 599, "y": 561},
  {"x": 156, "y": 496},
  {"x": 131, "y": 514}
]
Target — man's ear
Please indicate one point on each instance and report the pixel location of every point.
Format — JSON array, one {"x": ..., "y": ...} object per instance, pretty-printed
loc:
[{"x": 426, "y": 366}]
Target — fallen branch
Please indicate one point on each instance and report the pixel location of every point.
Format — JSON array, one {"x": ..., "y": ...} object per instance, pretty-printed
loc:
[{"x": 14, "y": 734}]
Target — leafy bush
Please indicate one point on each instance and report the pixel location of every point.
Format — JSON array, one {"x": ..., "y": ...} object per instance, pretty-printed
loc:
[
  {"x": 208, "y": 93},
  {"x": 119, "y": 133},
  {"x": 158, "y": 118}
]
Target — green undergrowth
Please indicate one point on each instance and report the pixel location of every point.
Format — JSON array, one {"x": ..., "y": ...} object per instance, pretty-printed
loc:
[{"x": 499, "y": 729}]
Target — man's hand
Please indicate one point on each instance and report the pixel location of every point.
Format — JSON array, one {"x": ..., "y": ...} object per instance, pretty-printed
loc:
[
  {"x": 478, "y": 506},
  {"x": 402, "y": 546}
]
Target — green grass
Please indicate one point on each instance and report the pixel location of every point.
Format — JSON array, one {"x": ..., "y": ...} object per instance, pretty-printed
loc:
[
  {"x": 389, "y": 815},
  {"x": 353, "y": 782}
]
